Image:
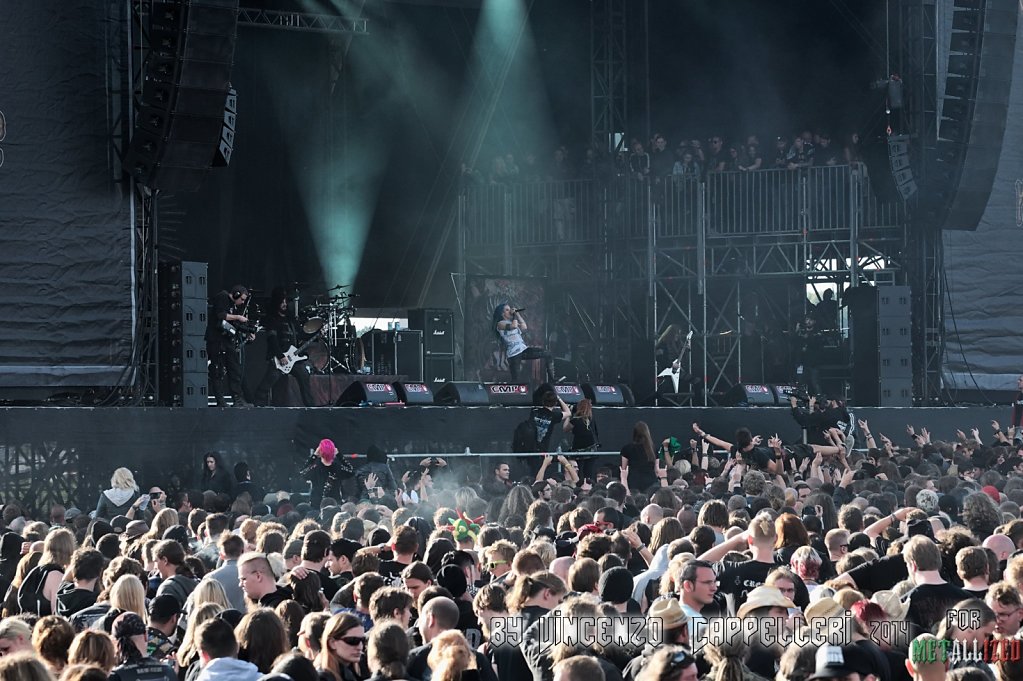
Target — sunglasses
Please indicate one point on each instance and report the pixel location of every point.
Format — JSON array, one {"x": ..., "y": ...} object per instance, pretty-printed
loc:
[
  {"x": 494, "y": 563},
  {"x": 353, "y": 640}
]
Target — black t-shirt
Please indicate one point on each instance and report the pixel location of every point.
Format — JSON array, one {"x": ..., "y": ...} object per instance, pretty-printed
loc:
[
  {"x": 928, "y": 603},
  {"x": 880, "y": 574},
  {"x": 758, "y": 457},
  {"x": 736, "y": 580},
  {"x": 390, "y": 570},
  {"x": 327, "y": 583},
  {"x": 584, "y": 434},
  {"x": 546, "y": 422},
  {"x": 281, "y": 334},
  {"x": 641, "y": 470},
  {"x": 221, "y": 305},
  {"x": 71, "y": 600}
]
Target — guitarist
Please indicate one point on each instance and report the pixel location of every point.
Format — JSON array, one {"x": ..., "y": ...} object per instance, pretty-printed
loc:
[
  {"x": 223, "y": 343},
  {"x": 282, "y": 333},
  {"x": 670, "y": 351}
]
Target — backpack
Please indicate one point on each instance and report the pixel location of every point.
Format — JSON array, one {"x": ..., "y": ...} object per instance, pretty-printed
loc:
[
  {"x": 30, "y": 593},
  {"x": 525, "y": 438}
]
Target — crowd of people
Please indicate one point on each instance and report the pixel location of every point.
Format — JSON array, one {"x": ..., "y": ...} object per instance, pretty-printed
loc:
[
  {"x": 377, "y": 573},
  {"x": 657, "y": 158}
]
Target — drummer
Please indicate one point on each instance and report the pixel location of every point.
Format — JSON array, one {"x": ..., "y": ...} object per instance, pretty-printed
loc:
[{"x": 282, "y": 336}]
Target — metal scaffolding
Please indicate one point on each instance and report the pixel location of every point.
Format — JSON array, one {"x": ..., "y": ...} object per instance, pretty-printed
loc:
[{"x": 730, "y": 257}]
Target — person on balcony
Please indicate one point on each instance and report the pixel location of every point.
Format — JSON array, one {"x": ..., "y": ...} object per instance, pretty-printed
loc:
[
  {"x": 800, "y": 155},
  {"x": 750, "y": 159},
  {"x": 825, "y": 154}
]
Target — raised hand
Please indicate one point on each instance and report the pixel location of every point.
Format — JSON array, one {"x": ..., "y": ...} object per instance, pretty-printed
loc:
[
  {"x": 960, "y": 435},
  {"x": 975, "y": 432},
  {"x": 371, "y": 480},
  {"x": 547, "y": 459},
  {"x": 995, "y": 426},
  {"x": 862, "y": 423},
  {"x": 696, "y": 429},
  {"x": 774, "y": 442},
  {"x": 911, "y": 430},
  {"x": 757, "y": 440}
]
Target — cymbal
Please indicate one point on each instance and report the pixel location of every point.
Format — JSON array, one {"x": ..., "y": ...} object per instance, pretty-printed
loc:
[{"x": 339, "y": 286}]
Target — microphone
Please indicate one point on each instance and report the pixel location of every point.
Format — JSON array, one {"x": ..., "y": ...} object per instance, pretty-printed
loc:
[{"x": 520, "y": 309}]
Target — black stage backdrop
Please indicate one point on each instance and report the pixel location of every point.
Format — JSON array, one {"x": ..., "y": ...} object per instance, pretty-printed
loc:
[
  {"x": 65, "y": 230},
  {"x": 56, "y": 455}
]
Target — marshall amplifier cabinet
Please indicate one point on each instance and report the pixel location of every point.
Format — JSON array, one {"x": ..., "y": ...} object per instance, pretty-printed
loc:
[
  {"x": 438, "y": 327},
  {"x": 395, "y": 353},
  {"x": 370, "y": 394},
  {"x": 438, "y": 370},
  {"x": 512, "y": 394},
  {"x": 414, "y": 393}
]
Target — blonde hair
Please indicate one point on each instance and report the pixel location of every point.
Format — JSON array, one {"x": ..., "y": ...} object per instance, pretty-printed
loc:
[
  {"x": 449, "y": 656},
  {"x": 94, "y": 648},
  {"x": 128, "y": 593},
  {"x": 545, "y": 549},
  {"x": 762, "y": 530},
  {"x": 167, "y": 517},
  {"x": 209, "y": 590},
  {"x": 123, "y": 479},
  {"x": 58, "y": 547},
  {"x": 189, "y": 645}
]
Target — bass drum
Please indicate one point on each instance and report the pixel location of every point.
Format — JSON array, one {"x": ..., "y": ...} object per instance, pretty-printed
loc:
[{"x": 319, "y": 356}]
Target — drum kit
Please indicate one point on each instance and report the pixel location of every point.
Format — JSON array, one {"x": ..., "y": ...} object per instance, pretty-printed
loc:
[{"x": 337, "y": 348}]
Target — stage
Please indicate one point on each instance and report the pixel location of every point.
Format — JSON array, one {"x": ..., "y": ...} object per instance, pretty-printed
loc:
[{"x": 66, "y": 455}]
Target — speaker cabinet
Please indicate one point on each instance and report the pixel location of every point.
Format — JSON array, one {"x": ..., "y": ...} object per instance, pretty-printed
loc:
[
  {"x": 510, "y": 394},
  {"x": 438, "y": 370},
  {"x": 364, "y": 393},
  {"x": 606, "y": 395},
  {"x": 465, "y": 393},
  {"x": 395, "y": 353},
  {"x": 414, "y": 393},
  {"x": 437, "y": 326},
  {"x": 750, "y": 395}
]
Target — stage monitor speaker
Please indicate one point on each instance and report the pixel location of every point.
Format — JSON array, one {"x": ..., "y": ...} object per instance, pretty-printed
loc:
[
  {"x": 510, "y": 394},
  {"x": 368, "y": 394},
  {"x": 571, "y": 393},
  {"x": 438, "y": 370},
  {"x": 750, "y": 395},
  {"x": 781, "y": 393},
  {"x": 395, "y": 353},
  {"x": 437, "y": 326},
  {"x": 606, "y": 395},
  {"x": 414, "y": 393},
  {"x": 464, "y": 393}
]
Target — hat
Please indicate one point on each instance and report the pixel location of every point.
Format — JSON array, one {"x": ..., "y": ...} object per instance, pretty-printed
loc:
[
  {"x": 891, "y": 604},
  {"x": 231, "y": 616},
  {"x": 453, "y": 579},
  {"x": 834, "y": 662},
  {"x": 764, "y": 597},
  {"x": 344, "y": 547},
  {"x": 921, "y": 526},
  {"x": 927, "y": 501},
  {"x": 99, "y": 528},
  {"x": 824, "y": 607},
  {"x": 293, "y": 548},
  {"x": 669, "y": 611},
  {"x": 119, "y": 523},
  {"x": 992, "y": 492},
  {"x": 72, "y": 513},
  {"x": 178, "y": 533},
  {"x": 615, "y": 585},
  {"x": 164, "y": 607},
  {"x": 136, "y": 528}
]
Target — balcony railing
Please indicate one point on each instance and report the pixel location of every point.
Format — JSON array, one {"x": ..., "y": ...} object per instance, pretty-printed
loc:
[{"x": 763, "y": 202}]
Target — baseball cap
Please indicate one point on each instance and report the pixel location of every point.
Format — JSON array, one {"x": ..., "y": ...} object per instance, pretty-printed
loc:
[
  {"x": 834, "y": 662},
  {"x": 163, "y": 607}
]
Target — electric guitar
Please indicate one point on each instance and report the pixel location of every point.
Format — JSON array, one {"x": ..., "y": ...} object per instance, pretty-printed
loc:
[
  {"x": 673, "y": 371},
  {"x": 293, "y": 356}
]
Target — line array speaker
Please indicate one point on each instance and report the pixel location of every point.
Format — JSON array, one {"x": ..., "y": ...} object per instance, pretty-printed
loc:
[{"x": 180, "y": 125}]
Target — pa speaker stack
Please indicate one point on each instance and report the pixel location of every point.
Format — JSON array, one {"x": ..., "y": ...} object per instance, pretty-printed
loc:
[
  {"x": 437, "y": 326},
  {"x": 464, "y": 393},
  {"x": 184, "y": 370},
  {"x": 186, "y": 118},
  {"x": 367, "y": 394}
]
